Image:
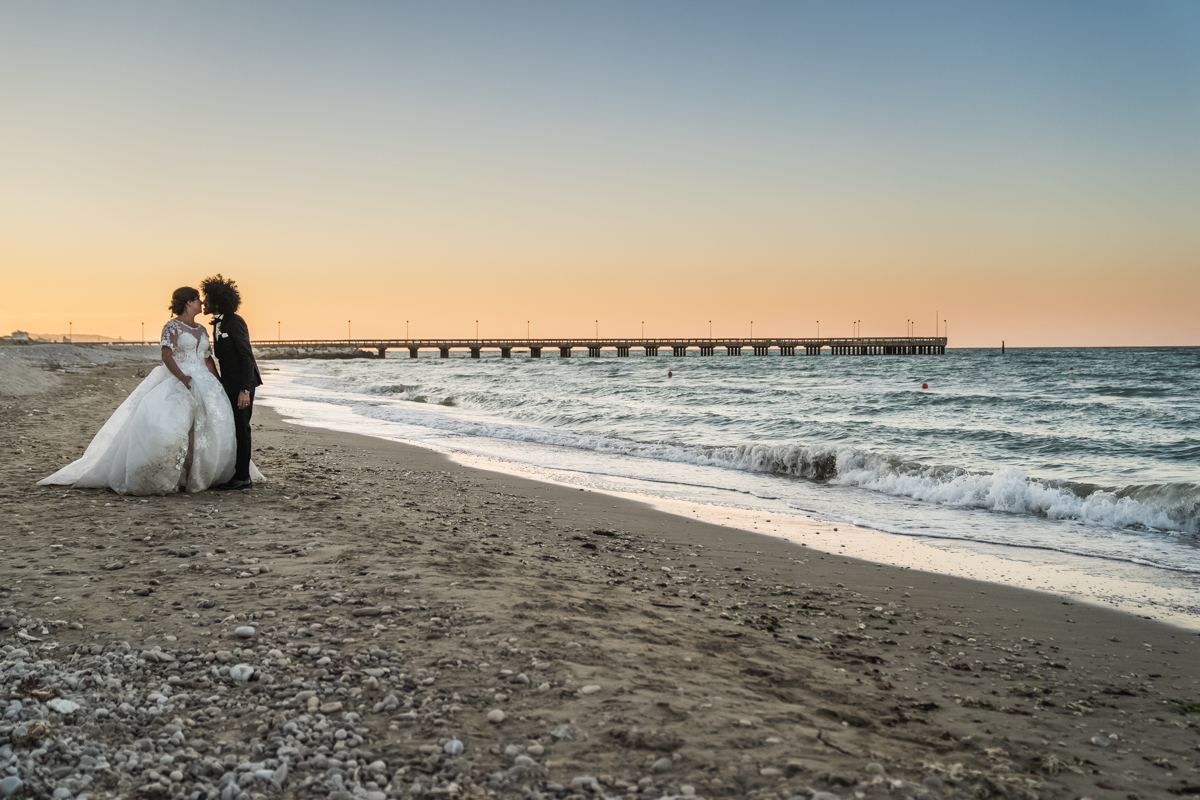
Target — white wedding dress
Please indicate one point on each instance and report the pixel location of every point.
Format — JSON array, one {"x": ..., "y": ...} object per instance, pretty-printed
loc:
[{"x": 164, "y": 437}]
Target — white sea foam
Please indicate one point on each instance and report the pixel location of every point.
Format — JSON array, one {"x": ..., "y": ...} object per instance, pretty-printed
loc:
[{"x": 1008, "y": 490}]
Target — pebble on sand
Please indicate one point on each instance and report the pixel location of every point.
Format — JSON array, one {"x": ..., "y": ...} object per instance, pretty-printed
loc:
[
  {"x": 62, "y": 706},
  {"x": 244, "y": 632},
  {"x": 241, "y": 672},
  {"x": 496, "y": 716}
]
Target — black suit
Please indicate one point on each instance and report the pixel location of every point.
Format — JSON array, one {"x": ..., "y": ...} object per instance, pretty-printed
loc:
[{"x": 239, "y": 373}]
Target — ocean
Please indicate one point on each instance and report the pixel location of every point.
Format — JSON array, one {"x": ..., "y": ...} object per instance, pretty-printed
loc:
[{"x": 1075, "y": 471}]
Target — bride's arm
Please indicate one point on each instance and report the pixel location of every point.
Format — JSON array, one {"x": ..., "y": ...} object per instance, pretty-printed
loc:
[
  {"x": 169, "y": 362},
  {"x": 212, "y": 367}
]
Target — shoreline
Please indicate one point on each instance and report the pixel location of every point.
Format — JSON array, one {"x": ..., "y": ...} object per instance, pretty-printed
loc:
[
  {"x": 735, "y": 664},
  {"x": 1128, "y": 587}
]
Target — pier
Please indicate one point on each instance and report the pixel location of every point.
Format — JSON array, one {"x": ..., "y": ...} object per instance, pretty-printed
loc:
[{"x": 566, "y": 348}]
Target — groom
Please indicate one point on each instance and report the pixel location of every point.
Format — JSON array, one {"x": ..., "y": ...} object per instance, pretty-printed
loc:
[{"x": 239, "y": 371}]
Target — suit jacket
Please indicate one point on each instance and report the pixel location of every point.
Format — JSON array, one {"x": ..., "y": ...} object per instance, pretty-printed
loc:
[{"x": 231, "y": 346}]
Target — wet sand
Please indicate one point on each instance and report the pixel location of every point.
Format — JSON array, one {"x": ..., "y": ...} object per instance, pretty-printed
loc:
[{"x": 650, "y": 651}]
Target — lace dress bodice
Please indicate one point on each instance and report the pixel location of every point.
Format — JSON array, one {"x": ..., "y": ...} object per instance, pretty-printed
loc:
[{"x": 189, "y": 344}]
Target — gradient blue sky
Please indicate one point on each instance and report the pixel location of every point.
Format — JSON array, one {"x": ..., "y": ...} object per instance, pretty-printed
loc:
[{"x": 1030, "y": 171}]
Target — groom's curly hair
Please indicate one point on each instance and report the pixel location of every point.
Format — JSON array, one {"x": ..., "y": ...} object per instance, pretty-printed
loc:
[{"x": 221, "y": 293}]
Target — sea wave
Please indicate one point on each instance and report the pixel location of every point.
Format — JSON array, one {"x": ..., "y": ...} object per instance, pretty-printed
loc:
[
  {"x": 1172, "y": 507},
  {"x": 1164, "y": 507}
]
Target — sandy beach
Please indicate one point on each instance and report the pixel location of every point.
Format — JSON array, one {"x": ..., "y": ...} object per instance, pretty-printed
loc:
[{"x": 422, "y": 628}]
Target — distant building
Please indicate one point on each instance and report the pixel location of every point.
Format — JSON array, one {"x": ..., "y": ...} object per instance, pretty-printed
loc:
[{"x": 17, "y": 337}]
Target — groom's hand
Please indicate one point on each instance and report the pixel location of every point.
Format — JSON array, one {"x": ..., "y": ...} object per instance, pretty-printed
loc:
[{"x": 244, "y": 399}]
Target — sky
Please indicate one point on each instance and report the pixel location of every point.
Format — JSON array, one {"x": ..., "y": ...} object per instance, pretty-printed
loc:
[{"x": 1021, "y": 171}]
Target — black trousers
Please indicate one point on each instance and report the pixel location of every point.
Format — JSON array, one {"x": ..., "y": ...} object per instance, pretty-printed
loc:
[{"x": 241, "y": 427}]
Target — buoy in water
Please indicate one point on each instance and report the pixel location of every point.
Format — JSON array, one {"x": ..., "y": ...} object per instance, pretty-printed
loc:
[
  {"x": 1072, "y": 369},
  {"x": 924, "y": 385},
  {"x": 670, "y": 374}
]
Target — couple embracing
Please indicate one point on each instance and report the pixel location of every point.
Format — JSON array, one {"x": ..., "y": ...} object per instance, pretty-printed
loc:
[{"x": 187, "y": 425}]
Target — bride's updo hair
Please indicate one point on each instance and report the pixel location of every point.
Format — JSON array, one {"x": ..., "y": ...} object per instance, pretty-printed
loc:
[
  {"x": 183, "y": 295},
  {"x": 221, "y": 294}
]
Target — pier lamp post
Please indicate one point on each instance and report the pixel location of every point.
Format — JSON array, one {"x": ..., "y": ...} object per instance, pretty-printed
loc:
[
  {"x": 751, "y": 329},
  {"x": 143, "y": 333},
  {"x": 818, "y": 329},
  {"x": 477, "y": 330},
  {"x": 527, "y": 329},
  {"x": 643, "y": 329},
  {"x": 349, "y": 338},
  {"x": 406, "y": 337},
  {"x": 71, "y": 331},
  {"x": 710, "y": 330}
]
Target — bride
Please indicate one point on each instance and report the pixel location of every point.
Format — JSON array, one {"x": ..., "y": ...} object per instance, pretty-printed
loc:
[{"x": 175, "y": 431}]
